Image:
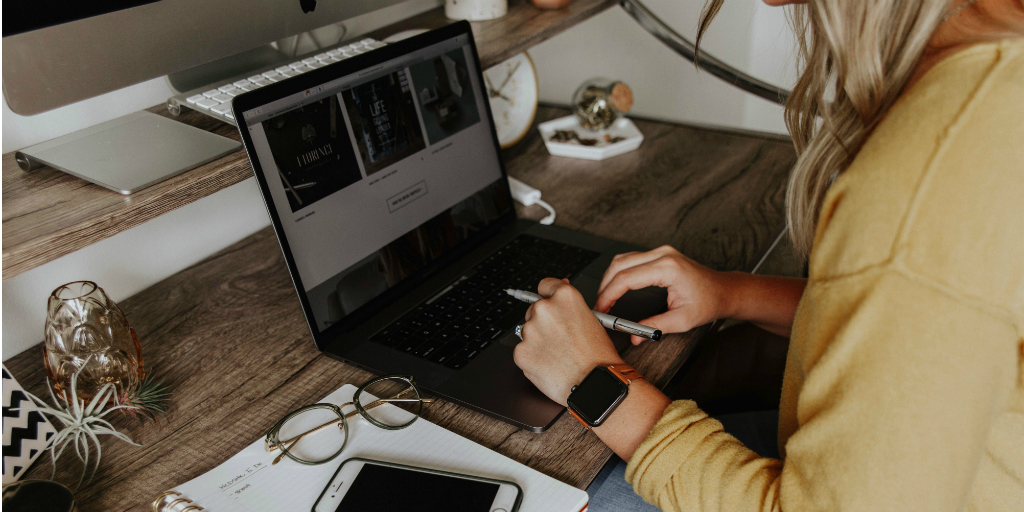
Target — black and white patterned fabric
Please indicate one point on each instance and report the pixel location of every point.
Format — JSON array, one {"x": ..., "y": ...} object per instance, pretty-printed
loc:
[{"x": 26, "y": 433}]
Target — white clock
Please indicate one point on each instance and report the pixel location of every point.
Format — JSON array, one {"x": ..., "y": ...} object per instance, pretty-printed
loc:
[{"x": 513, "y": 93}]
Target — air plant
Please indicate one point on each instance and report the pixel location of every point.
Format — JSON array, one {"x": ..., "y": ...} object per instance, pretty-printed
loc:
[
  {"x": 147, "y": 398},
  {"x": 82, "y": 423}
]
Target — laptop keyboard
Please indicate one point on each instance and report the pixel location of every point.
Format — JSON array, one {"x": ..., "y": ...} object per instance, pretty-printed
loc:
[{"x": 467, "y": 317}]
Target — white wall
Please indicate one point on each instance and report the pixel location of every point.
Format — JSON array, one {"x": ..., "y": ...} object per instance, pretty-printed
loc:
[{"x": 746, "y": 34}]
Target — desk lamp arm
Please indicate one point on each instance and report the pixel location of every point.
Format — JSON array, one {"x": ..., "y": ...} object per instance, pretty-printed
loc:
[{"x": 709, "y": 63}]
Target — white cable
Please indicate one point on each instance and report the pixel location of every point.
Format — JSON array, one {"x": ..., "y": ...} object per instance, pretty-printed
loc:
[
  {"x": 550, "y": 219},
  {"x": 530, "y": 196}
]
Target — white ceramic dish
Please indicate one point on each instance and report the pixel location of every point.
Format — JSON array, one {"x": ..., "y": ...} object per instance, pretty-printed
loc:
[{"x": 622, "y": 128}]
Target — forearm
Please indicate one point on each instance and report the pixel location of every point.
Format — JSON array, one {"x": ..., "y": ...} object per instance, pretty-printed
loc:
[
  {"x": 766, "y": 301},
  {"x": 633, "y": 419}
]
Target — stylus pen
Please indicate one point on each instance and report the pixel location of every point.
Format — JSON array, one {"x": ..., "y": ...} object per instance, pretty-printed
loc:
[{"x": 608, "y": 321}]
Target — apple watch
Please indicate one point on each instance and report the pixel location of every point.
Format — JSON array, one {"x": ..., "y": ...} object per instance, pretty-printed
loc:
[{"x": 594, "y": 399}]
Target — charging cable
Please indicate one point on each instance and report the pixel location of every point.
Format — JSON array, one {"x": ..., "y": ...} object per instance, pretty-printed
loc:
[{"x": 530, "y": 196}]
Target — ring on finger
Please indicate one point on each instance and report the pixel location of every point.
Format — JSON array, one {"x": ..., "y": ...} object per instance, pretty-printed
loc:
[{"x": 519, "y": 331}]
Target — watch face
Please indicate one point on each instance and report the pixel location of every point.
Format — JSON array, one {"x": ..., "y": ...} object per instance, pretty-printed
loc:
[{"x": 596, "y": 395}]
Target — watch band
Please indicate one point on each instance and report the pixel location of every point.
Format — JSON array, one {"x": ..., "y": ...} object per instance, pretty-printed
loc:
[{"x": 625, "y": 373}]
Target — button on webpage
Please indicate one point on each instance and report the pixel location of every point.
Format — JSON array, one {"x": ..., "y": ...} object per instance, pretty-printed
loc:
[{"x": 407, "y": 196}]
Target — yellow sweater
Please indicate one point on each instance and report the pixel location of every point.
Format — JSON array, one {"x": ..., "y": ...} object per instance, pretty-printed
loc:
[{"x": 904, "y": 384}]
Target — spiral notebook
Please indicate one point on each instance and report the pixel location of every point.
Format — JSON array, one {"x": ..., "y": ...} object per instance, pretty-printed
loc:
[{"x": 249, "y": 482}]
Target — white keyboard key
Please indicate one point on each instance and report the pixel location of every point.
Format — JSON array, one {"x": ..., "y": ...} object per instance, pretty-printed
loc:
[
  {"x": 193, "y": 99},
  {"x": 336, "y": 59},
  {"x": 234, "y": 92},
  {"x": 261, "y": 82},
  {"x": 354, "y": 46},
  {"x": 317, "y": 65},
  {"x": 255, "y": 78},
  {"x": 308, "y": 61},
  {"x": 240, "y": 83},
  {"x": 247, "y": 87},
  {"x": 270, "y": 74},
  {"x": 368, "y": 40},
  {"x": 211, "y": 93},
  {"x": 228, "y": 115},
  {"x": 334, "y": 52},
  {"x": 322, "y": 56},
  {"x": 288, "y": 74},
  {"x": 357, "y": 52},
  {"x": 282, "y": 69},
  {"x": 276, "y": 78},
  {"x": 207, "y": 103},
  {"x": 222, "y": 109},
  {"x": 226, "y": 88},
  {"x": 296, "y": 65},
  {"x": 221, "y": 97},
  {"x": 376, "y": 44},
  {"x": 305, "y": 69}
]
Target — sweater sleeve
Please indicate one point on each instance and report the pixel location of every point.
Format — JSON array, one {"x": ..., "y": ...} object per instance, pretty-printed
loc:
[{"x": 903, "y": 381}]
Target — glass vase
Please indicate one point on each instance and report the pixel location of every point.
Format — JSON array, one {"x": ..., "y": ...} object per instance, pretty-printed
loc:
[
  {"x": 86, "y": 331},
  {"x": 599, "y": 102}
]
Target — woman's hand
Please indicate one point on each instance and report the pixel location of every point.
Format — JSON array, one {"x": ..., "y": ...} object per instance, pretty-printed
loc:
[
  {"x": 562, "y": 341},
  {"x": 696, "y": 294}
]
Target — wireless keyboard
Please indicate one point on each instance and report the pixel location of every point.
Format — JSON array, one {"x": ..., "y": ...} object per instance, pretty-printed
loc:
[{"x": 214, "y": 100}]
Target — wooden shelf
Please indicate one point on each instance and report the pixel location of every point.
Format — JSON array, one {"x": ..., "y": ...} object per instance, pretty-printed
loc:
[{"x": 48, "y": 214}]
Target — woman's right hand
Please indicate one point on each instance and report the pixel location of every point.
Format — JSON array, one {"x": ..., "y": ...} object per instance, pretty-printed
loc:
[{"x": 696, "y": 294}]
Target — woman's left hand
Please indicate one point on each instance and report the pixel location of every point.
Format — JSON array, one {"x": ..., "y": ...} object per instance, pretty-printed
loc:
[{"x": 562, "y": 340}]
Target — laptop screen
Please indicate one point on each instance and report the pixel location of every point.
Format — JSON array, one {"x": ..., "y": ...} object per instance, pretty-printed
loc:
[{"x": 376, "y": 174}]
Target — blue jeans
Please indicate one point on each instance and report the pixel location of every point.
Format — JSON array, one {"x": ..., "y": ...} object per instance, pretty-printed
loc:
[{"x": 758, "y": 430}]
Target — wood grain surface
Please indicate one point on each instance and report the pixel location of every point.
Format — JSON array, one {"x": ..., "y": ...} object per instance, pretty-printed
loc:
[
  {"x": 229, "y": 335},
  {"x": 48, "y": 213},
  {"x": 523, "y": 27}
]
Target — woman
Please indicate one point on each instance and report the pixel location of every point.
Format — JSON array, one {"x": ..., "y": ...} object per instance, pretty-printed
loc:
[{"x": 904, "y": 382}]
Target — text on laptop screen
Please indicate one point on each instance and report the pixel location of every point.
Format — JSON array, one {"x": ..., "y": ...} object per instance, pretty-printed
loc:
[{"x": 378, "y": 173}]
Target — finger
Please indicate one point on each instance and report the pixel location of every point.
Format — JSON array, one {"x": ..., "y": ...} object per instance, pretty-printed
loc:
[
  {"x": 550, "y": 285},
  {"x": 633, "y": 278},
  {"x": 529, "y": 313},
  {"x": 630, "y": 260}
]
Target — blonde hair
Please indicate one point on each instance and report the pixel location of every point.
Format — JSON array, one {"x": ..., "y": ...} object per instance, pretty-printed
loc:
[{"x": 860, "y": 54}]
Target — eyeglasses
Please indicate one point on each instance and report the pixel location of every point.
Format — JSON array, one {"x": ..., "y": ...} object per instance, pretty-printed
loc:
[{"x": 318, "y": 433}]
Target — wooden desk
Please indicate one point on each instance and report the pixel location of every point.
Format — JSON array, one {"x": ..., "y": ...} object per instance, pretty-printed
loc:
[{"x": 229, "y": 335}]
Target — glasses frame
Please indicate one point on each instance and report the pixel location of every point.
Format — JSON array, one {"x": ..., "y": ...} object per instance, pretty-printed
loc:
[{"x": 272, "y": 441}]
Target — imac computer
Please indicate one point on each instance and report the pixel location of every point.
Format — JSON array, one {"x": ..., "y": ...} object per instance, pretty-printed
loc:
[{"x": 58, "y": 52}]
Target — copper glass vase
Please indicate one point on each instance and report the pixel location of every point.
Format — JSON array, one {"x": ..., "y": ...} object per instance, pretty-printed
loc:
[{"x": 86, "y": 331}]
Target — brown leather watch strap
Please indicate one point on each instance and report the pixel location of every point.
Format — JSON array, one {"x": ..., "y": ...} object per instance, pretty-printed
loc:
[{"x": 627, "y": 374}]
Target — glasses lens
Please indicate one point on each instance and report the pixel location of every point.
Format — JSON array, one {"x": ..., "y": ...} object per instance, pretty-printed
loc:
[
  {"x": 390, "y": 402},
  {"x": 314, "y": 435}
]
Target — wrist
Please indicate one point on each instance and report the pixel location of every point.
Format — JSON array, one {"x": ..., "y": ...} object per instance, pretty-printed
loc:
[{"x": 730, "y": 293}]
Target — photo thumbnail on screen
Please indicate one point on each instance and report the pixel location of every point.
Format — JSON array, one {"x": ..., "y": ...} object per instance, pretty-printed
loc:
[
  {"x": 384, "y": 118},
  {"x": 313, "y": 152},
  {"x": 447, "y": 100}
]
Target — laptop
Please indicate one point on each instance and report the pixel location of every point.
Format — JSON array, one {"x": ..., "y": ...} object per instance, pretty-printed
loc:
[{"x": 385, "y": 185}]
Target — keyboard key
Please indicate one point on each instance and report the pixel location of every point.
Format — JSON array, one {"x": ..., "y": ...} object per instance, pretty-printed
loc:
[
  {"x": 241, "y": 83},
  {"x": 317, "y": 65},
  {"x": 207, "y": 103},
  {"x": 480, "y": 344},
  {"x": 276, "y": 78},
  {"x": 303, "y": 69},
  {"x": 226, "y": 88},
  {"x": 334, "y": 52},
  {"x": 229, "y": 115},
  {"x": 465, "y": 337},
  {"x": 221, "y": 97},
  {"x": 427, "y": 349},
  {"x": 211, "y": 93},
  {"x": 247, "y": 87},
  {"x": 321, "y": 56},
  {"x": 222, "y": 109},
  {"x": 260, "y": 82},
  {"x": 282, "y": 69},
  {"x": 376, "y": 44},
  {"x": 468, "y": 353},
  {"x": 193, "y": 99},
  {"x": 289, "y": 73},
  {"x": 255, "y": 78},
  {"x": 368, "y": 40},
  {"x": 456, "y": 363},
  {"x": 270, "y": 73},
  {"x": 234, "y": 92},
  {"x": 444, "y": 336},
  {"x": 410, "y": 344}
]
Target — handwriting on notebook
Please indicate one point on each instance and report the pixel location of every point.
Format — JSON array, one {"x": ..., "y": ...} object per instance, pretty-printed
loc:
[{"x": 245, "y": 473}]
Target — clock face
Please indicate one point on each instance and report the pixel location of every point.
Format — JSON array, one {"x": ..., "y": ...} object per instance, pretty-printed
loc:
[{"x": 512, "y": 90}]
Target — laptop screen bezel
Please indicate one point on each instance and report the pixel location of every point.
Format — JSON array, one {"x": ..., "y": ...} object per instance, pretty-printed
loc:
[{"x": 297, "y": 84}]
